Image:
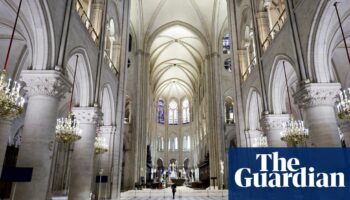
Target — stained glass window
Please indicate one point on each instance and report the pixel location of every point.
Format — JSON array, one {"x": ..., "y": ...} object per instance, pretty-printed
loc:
[
  {"x": 226, "y": 44},
  {"x": 186, "y": 143},
  {"x": 173, "y": 112},
  {"x": 228, "y": 64},
  {"x": 160, "y": 111},
  {"x": 185, "y": 111}
]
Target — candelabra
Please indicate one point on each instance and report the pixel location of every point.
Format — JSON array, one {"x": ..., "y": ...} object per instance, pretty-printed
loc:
[
  {"x": 344, "y": 103},
  {"x": 294, "y": 132},
  {"x": 100, "y": 145},
  {"x": 67, "y": 129},
  {"x": 11, "y": 101},
  {"x": 343, "y": 106}
]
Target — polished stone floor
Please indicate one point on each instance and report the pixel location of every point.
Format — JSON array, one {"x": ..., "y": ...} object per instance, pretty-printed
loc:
[{"x": 182, "y": 193}]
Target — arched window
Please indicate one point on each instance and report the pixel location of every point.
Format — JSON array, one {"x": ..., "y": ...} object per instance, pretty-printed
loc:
[
  {"x": 173, "y": 144},
  {"x": 160, "y": 144},
  {"x": 186, "y": 143},
  {"x": 129, "y": 63},
  {"x": 130, "y": 43},
  {"x": 185, "y": 111},
  {"x": 173, "y": 112},
  {"x": 229, "y": 114},
  {"x": 228, "y": 64},
  {"x": 127, "y": 113},
  {"x": 160, "y": 111},
  {"x": 226, "y": 44}
]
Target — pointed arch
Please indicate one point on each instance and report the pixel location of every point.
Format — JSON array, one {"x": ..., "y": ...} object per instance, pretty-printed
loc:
[
  {"x": 278, "y": 89},
  {"x": 84, "y": 81}
]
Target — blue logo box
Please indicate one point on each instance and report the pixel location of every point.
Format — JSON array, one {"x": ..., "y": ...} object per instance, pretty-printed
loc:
[{"x": 289, "y": 174}]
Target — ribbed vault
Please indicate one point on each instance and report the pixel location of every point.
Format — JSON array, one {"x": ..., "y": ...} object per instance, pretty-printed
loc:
[{"x": 176, "y": 56}]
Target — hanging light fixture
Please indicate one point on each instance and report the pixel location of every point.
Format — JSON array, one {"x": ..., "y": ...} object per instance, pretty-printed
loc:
[
  {"x": 100, "y": 144},
  {"x": 67, "y": 129},
  {"x": 294, "y": 132},
  {"x": 11, "y": 101},
  {"x": 343, "y": 106}
]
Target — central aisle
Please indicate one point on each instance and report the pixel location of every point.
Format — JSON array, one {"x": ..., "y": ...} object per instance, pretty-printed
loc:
[{"x": 183, "y": 193}]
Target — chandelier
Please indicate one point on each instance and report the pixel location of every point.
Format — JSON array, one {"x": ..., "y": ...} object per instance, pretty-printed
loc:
[
  {"x": 67, "y": 129},
  {"x": 100, "y": 145},
  {"x": 343, "y": 106},
  {"x": 11, "y": 101},
  {"x": 294, "y": 132}
]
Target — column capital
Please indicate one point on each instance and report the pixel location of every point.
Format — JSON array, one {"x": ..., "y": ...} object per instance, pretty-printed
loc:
[
  {"x": 87, "y": 115},
  {"x": 45, "y": 83},
  {"x": 274, "y": 121},
  {"x": 316, "y": 94}
]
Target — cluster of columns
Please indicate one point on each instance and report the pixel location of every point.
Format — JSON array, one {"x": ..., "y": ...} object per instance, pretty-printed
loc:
[
  {"x": 45, "y": 89},
  {"x": 316, "y": 100}
]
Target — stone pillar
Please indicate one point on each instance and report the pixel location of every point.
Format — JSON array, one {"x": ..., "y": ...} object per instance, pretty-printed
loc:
[
  {"x": 216, "y": 122},
  {"x": 318, "y": 102},
  {"x": 272, "y": 126},
  {"x": 5, "y": 132},
  {"x": 122, "y": 80},
  {"x": 263, "y": 25},
  {"x": 96, "y": 14},
  {"x": 252, "y": 137},
  {"x": 104, "y": 162},
  {"x": 36, "y": 150},
  {"x": 82, "y": 177}
]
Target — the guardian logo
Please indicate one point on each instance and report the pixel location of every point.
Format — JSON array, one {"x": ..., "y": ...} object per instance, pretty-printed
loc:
[{"x": 278, "y": 172}]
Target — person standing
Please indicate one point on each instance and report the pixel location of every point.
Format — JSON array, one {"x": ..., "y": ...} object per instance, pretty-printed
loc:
[{"x": 173, "y": 188}]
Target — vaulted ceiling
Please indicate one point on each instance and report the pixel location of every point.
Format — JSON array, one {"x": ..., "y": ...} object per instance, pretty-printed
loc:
[{"x": 177, "y": 34}]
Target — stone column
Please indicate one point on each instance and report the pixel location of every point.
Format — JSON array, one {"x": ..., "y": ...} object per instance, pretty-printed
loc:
[
  {"x": 215, "y": 127},
  {"x": 122, "y": 80},
  {"x": 318, "y": 102},
  {"x": 252, "y": 137},
  {"x": 82, "y": 177},
  {"x": 5, "y": 132},
  {"x": 36, "y": 150},
  {"x": 96, "y": 14},
  {"x": 104, "y": 162},
  {"x": 272, "y": 126},
  {"x": 263, "y": 25}
]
